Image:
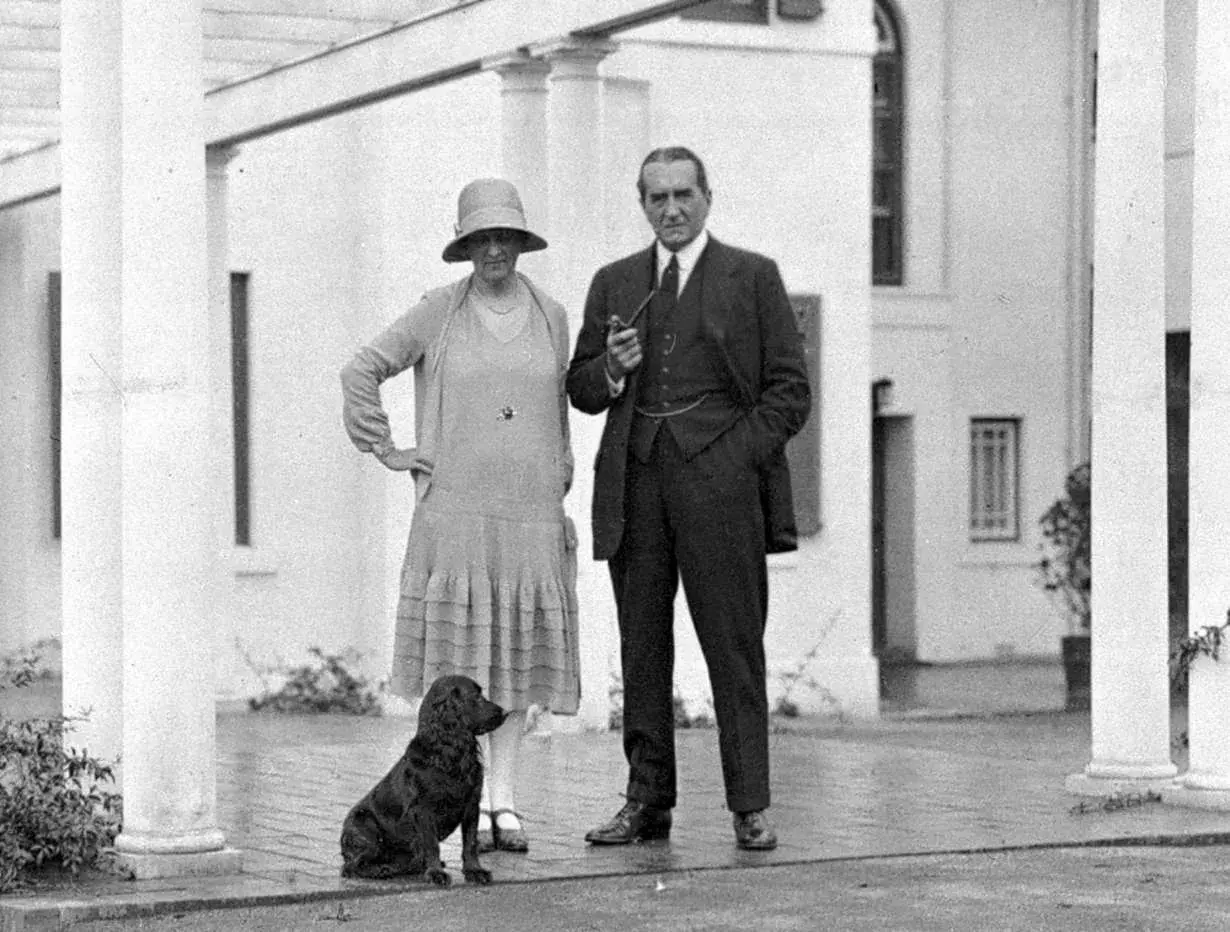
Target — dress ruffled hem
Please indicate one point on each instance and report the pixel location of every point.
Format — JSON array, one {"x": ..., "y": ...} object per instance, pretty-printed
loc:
[{"x": 492, "y": 598}]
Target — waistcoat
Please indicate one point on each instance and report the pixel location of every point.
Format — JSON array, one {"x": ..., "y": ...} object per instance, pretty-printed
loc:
[{"x": 684, "y": 386}]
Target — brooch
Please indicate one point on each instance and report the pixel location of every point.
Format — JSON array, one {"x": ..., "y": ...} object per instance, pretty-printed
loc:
[{"x": 507, "y": 413}]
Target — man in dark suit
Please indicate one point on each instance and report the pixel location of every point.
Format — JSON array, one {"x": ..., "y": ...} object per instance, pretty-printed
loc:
[{"x": 692, "y": 349}]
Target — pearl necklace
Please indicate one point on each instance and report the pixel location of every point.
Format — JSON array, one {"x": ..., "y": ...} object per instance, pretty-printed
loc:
[{"x": 502, "y": 309}]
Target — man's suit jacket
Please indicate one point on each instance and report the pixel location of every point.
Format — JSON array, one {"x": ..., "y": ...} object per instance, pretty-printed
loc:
[{"x": 746, "y": 314}]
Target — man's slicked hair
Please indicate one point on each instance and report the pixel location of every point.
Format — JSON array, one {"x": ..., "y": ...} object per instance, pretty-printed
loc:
[{"x": 673, "y": 154}]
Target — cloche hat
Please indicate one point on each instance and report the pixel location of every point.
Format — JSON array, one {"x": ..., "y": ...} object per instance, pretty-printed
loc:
[{"x": 489, "y": 204}]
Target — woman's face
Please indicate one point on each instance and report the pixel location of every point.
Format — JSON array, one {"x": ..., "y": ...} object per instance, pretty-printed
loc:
[{"x": 494, "y": 254}]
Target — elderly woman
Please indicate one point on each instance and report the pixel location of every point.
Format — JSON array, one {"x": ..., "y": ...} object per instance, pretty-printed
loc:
[{"x": 488, "y": 583}]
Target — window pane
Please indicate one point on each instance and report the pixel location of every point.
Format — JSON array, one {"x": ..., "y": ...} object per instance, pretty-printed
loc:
[
  {"x": 240, "y": 408},
  {"x": 887, "y": 171},
  {"x": 53, "y": 372},
  {"x": 994, "y": 506},
  {"x": 886, "y": 253}
]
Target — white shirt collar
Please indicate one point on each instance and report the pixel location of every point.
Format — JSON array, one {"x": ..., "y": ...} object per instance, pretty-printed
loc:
[{"x": 688, "y": 257}]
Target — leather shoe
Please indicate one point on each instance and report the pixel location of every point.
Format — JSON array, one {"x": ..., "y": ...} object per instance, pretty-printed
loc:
[
  {"x": 753, "y": 831},
  {"x": 509, "y": 839},
  {"x": 634, "y": 822}
]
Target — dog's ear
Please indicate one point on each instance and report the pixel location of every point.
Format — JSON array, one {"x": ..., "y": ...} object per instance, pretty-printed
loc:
[{"x": 446, "y": 707}]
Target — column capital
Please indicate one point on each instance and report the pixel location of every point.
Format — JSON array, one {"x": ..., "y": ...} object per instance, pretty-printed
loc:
[
  {"x": 575, "y": 50},
  {"x": 516, "y": 63},
  {"x": 520, "y": 73}
]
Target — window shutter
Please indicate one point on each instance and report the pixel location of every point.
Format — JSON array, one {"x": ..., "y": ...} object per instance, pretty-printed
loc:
[{"x": 803, "y": 449}]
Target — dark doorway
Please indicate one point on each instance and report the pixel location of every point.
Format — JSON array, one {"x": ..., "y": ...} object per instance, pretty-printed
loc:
[{"x": 892, "y": 539}]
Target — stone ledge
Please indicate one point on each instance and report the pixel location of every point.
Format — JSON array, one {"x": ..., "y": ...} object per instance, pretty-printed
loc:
[
  {"x": 1180, "y": 795},
  {"x": 195, "y": 864},
  {"x": 1081, "y": 784},
  {"x": 152, "y": 899}
]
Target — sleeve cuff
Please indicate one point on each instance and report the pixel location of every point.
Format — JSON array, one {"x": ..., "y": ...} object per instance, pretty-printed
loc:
[{"x": 616, "y": 388}]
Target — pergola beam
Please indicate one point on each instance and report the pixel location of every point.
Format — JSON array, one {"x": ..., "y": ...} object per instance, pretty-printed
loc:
[
  {"x": 431, "y": 50},
  {"x": 30, "y": 176},
  {"x": 46, "y": 79},
  {"x": 32, "y": 116},
  {"x": 29, "y": 97},
  {"x": 452, "y": 39},
  {"x": 391, "y": 10},
  {"x": 28, "y": 37},
  {"x": 45, "y": 13}
]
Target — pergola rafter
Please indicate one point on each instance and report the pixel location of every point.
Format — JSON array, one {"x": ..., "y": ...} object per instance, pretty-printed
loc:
[
  {"x": 274, "y": 64},
  {"x": 242, "y": 38}
]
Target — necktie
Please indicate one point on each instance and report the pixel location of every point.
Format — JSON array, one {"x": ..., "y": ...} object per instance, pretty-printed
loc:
[{"x": 670, "y": 279}]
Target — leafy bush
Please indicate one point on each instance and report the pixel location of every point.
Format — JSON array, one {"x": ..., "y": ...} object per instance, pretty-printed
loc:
[
  {"x": 54, "y": 809},
  {"x": 1064, "y": 570},
  {"x": 324, "y": 687},
  {"x": 1206, "y": 642}
]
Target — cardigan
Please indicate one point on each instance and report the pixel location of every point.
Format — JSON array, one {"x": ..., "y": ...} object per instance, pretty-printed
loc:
[{"x": 419, "y": 338}]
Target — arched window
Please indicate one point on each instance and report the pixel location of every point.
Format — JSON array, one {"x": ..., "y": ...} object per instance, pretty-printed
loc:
[{"x": 888, "y": 118}]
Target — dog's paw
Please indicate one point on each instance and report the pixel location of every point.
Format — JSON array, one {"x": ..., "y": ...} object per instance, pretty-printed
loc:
[
  {"x": 439, "y": 877},
  {"x": 478, "y": 875}
]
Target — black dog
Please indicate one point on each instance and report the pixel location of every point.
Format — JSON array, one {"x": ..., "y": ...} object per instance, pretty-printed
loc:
[{"x": 437, "y": 785}]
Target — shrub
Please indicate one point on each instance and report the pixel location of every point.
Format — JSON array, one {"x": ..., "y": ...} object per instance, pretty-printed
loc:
[
  {"x": 1063, "y": 570},
  {"x": 798, "y": 678},
  {"x": 54, "y": 809},
  {"x": 324, "y": 687}
]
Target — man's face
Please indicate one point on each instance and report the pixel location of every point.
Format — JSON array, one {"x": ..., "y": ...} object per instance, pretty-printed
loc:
[{"x": 674, "y": 204}]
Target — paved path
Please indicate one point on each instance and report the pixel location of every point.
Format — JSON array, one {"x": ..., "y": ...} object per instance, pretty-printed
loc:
[
  {"x": 850, "y": 799},
  {"x": 1080, "y": 889}
]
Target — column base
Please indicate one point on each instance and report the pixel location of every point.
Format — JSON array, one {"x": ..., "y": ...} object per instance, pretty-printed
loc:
[
  {"x": 193, "y": 864},
  {"x": 1083, "y": 784},
  {"x": 1180, "y": 795}
]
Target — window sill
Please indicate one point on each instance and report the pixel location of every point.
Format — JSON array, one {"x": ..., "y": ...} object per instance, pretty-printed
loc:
[
  {"x": 991, "y": 553},
  {"x": 248, "y": 561}
]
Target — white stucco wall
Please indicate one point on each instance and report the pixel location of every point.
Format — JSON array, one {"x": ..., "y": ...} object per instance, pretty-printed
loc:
[
  {"x": 980, "y": 327},
  {"x": 29, "y": 554},
  {"x": 341, "y": 225},
  {"x": 1180, "y": 152}
]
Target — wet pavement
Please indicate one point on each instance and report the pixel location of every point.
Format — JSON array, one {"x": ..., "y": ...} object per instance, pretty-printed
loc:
[{"x": 924, "y": 780}]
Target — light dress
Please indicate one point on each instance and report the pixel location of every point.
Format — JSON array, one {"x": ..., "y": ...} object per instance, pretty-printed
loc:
[{"x": 488, "y": 581}]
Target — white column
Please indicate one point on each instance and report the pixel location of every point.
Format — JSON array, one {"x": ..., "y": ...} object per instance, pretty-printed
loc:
[
  {"x": 1207, "y": 781},
  {"x": 1130, "y": 689},
  {"x": 523, "y": 145},
  {"x": 91, "y": 397},
  {"x": 222, "y": 430},
  {"x": 578, "y": 247},
  {"x": 625, "y": 113},
  {"x": 169, "y": 512}
]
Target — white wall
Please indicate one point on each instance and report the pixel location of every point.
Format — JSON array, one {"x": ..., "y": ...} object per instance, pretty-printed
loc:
[
  {"x": 341, "y": 225},
  {"x": 29, "y": 554},
  {"x": 980, "y": 327},
  {"x": 1180, "y": 151}
]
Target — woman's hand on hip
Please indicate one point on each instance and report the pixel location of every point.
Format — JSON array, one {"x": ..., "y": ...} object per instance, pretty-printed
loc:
[{"x": 396, "y": 460}]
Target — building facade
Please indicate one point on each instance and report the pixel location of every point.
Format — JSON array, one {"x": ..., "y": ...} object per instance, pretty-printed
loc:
[{"x": 946, "y": 256}]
